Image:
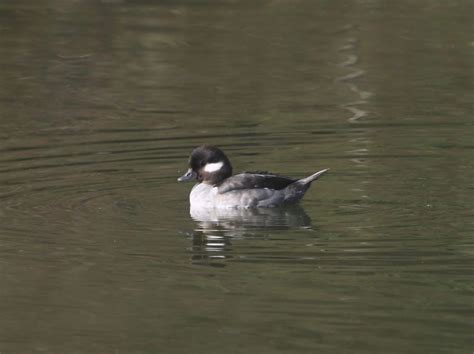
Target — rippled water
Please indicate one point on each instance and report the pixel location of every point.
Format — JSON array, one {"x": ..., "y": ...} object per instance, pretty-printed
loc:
[{"x": 100, "y": 105}]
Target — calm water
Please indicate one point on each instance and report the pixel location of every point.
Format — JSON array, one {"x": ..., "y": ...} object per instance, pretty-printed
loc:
[{"x": 100, "y": 105}]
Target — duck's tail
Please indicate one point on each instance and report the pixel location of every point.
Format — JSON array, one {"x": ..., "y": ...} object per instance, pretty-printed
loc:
[
  {"x": 313, "y": 177},
  {"x": 295, "y": 191}
]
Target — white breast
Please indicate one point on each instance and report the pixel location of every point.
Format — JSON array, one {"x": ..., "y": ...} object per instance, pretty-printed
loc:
[{"x": 203, "y": 196}]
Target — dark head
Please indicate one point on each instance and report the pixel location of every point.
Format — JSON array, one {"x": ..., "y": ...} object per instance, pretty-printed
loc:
[{"x": 208, "y": 164}]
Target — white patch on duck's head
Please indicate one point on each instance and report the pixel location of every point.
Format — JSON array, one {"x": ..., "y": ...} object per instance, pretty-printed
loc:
[{"x": 213, "y": 167}]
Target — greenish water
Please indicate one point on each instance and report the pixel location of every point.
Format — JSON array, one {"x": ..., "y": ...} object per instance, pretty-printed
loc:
[{"x": 101, "y": 103}]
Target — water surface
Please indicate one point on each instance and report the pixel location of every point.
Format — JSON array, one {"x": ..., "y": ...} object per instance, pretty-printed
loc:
[{"x": 100, "y": 105}]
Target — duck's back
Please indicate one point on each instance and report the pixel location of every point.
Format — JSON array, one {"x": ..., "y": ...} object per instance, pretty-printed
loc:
[{"x": 254, "y": 180}]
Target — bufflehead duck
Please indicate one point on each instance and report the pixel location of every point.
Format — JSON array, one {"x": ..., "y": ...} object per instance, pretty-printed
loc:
[{"x": 217, "y": 188}]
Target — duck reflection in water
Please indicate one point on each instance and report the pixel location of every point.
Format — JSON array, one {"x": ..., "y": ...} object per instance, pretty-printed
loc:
[{"x": 218, "y": 228}]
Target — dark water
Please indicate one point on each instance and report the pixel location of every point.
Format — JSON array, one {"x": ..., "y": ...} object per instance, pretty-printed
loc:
[{"x": 100, "y": 105}]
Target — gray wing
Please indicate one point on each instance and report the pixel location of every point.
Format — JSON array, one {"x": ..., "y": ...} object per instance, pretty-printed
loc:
[{"x": 248, "y": 180}]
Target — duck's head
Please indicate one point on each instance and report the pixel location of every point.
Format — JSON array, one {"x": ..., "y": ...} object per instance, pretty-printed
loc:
[{"x": 207, "y": 164}]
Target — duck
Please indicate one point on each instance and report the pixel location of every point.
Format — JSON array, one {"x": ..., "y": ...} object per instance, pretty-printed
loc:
[{"x": 218, "y": 188}]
